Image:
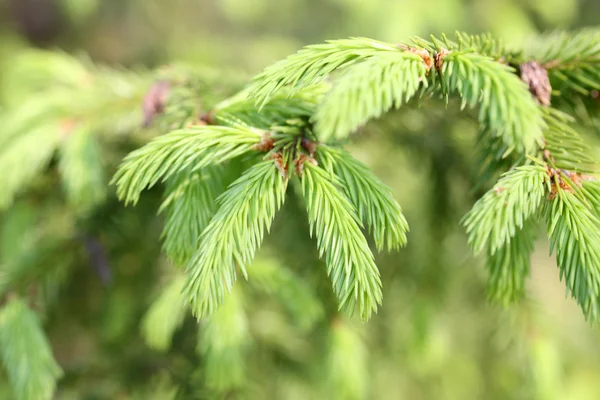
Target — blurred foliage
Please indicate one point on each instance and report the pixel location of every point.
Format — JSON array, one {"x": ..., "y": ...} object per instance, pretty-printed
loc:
[{"x": 104, "y": 280}]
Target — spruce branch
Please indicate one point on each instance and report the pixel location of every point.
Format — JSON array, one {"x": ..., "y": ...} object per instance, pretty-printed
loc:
[
  {"x": 509, "y": 265},
  {"x": 505, "y": 106},
  {"x": 232, "y": 237},
  {"x": 186, "y": 149},
  {"x": 563, "y": 144},
  {"x": 574, "y": 235},
  {"x": 334, "y": 221},
  {"x": 189, "y": 205},
  {"x": 283, "y": 106},
  {"x": 26, "y": 353},
  {"x": 571, "y": 59},
  {"x": 312, "y": 64},
  {"x": 502, "y": 211},
  {"x": 371, "y": 198},
  {"x": 368, "y": 90},
  {"x": 590, "y": 188}
]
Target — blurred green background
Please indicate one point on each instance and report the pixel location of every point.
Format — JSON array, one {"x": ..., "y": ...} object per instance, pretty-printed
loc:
[{"x": 436, "y": 336}]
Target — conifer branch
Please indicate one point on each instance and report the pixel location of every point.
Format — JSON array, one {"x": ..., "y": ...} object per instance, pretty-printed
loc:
[
  {"x": 509, "y": 265},
  {"x": 283, "y": 106},
  {"x": 26, "y": 353},
  {"x": 187, "y": 149},
  {"x": 505, "y": 106},
  {"x": 368, "y": 90},
  {"x": 189, "y": 205},
  {"x": 591, "y": 192},
  {"x": 312, "y": 64},
  {"x": 232, "y": 237},
  {"x": 333, "y": 220},
  {"x": 572, "y": 59},
  {"x": 371, "y": 198},
  {"x": 574, "y": 235},
  {"x": 563, "y": 144},
  {"x": 502, "y": 211}
]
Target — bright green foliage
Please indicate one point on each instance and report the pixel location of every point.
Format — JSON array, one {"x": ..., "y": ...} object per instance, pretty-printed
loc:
[
  {"x": 232, "y": 237},
  {"x": 572, "y": 59},
  {"x": 368, "y": 90},
  {"x": 502, "y": 211},
  {"x": 224, "y": 340},
  {"x": 193, "y": 148},
  {"x": 82, "y": 170},
  {"x": 347, "y": 368},
  {"x": 386, "y": 75},
  {"x": 278, "y": 130},
  {"x": 509, "y": 266},
  {"x": 565, "y": 145},
  {"x": 26, "y": 353},
  {"x": 276, "y": 111},
  {"x": 165, "y": 315},
  {"x": 505, "y": 105},
  {"x": 483, "y": 44},
  {"x": 372, "y": 199},
  {"x": 574, "y": 235},
  {"x": 334, "y": 221},
  {"x": 591, "y": 191},
  {"x": 189, "y": 205},
  {"x": 312, "y": 64}
]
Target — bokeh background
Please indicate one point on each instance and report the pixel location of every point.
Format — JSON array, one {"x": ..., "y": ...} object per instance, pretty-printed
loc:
[{"x": 436, "y": 336}]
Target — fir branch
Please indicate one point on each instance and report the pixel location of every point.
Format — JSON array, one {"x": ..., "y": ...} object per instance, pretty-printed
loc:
[
  {"x": 371, "y": 198},
  {"x": 572, "y": 59},
  {"x": 223, "y": 342},
  {"x": 312, "y": 64},
  {"x": 574, "y": 235},
  {"x": 281, "y": 107},
  {"x": 368, "y": 90},
  {"x": 234, "y": 234},
  {"x": 509, "y": 266},
  {"x": 505, "y": 104},
  {"x": 333, "y": 220},
  {"x": 591, "y": 192},
  {"x": 165, "y": 315},
  {"x": 26, "y": 353},
  {"x": 494, "y": 157},
  {"x": 565, "y": 146},
  {"x": 187, "y": 149},
  {"x": 502, "y": 211},
  {"x": 81, "y": 169},
  {"x": 189, "y": 204},
  {"x": 484, "y": 44}
]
